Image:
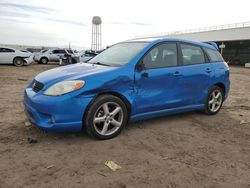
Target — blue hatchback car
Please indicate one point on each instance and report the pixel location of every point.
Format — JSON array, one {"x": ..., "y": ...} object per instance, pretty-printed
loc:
[{"x": 129, "y": 81}]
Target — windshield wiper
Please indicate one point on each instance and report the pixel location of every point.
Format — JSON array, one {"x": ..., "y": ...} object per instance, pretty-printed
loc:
[{"x": 99, "y": 63}]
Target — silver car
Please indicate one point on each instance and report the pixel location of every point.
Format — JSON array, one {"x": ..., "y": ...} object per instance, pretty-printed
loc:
[{"x": 51, "y": 55}]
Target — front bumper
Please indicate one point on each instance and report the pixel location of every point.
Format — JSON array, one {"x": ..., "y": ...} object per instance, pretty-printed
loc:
[
  {"x": 56, "y": 114},
  {"x": 29, "y": 60}
]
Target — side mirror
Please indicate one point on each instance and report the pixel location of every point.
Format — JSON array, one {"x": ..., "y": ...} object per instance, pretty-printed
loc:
[{"x": 140, "y": 66}]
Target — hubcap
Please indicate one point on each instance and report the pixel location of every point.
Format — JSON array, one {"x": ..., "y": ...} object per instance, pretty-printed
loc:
[
  {"x": 215, "y": 101},
  {"x": 44, "y": 60},
  {"x": 18, "y": 62},
  {"x": 108, "y": 118}
]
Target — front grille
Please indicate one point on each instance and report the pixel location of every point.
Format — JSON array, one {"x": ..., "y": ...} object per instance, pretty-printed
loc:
[{"x": 37, "y": 86}]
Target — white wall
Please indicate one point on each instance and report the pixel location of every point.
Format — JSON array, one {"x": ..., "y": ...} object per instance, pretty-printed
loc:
[{"x": 219, "y": 35}]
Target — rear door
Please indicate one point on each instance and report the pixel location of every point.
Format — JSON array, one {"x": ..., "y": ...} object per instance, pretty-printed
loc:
[{"x": 196, "y": 72}]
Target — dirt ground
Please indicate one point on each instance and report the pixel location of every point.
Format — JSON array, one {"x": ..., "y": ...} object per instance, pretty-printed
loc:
[{"x": 184, "y": 150}]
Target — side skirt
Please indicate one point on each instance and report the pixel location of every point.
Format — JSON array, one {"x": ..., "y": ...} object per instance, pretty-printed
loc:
[{"x": 153, "y": 114}]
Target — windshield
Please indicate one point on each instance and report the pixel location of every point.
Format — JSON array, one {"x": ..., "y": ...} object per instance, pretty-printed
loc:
[
  {"x": 119, "y": 54},
  {"x": 43, "y": 51},
  {"x": 24, "y": 51}
]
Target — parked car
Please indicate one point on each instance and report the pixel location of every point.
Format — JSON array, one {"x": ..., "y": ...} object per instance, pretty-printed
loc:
[
  {"x": 129, "y": 81},
  {"x": 51, "y": 55},
  {"x": 15, "y": 57},
  {"x": 86, "y": 55}
]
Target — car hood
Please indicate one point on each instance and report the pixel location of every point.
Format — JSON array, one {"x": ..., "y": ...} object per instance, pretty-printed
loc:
[{"x": 66, "y": 72}]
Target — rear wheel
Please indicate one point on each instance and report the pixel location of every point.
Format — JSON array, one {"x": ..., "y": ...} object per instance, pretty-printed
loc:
[
  {"x": 106, "y": 117},
  {"x": 214, "y": 100},
  {"x": 18, "y": 62}
]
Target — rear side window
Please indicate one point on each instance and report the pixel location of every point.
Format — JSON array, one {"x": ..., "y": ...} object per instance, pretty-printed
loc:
[
  {"x": 6, "y": 50},
  {"x": 214, "y": 55},
  {"x": 192, "y": 54}
]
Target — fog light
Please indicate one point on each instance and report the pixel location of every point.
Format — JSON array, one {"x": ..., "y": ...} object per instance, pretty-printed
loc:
[{"x": 53, "y": 119}]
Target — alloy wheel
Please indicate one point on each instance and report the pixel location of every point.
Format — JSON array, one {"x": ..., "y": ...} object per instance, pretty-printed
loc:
[
  {"x": 215, "y": 100},
  {"x": 108, "y": 118}
]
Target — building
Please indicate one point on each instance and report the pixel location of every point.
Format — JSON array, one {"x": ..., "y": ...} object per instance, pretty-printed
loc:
[{"x": 233, "y": 39}]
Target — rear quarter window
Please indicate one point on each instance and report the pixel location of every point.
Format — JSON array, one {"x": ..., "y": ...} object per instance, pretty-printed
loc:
[
  {"x": 192, "y": 54},
  {"x": 214, "y": 55}
]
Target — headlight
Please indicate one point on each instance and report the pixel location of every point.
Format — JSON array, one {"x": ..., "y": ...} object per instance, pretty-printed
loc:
[{"x": 64, "y": 87}]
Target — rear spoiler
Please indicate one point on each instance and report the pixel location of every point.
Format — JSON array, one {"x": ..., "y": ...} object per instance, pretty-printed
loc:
[{"x": 213, "y": 44}]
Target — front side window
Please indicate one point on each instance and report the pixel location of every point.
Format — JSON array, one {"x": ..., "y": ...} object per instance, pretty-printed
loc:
[
  {"x": 119, "y": 54},
  {"x": 192, "y": 54},
  {"x": 163, "y": 55},
  {"x": 59, "y": 52},
  {"x": 214, "y": 55},
  {"x": 55, "y": 52}
]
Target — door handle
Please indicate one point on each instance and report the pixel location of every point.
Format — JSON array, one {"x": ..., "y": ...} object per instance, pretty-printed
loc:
[
  {"x": 177, "y": 73},
  {"x": 145, "y": 74},
  {"x": 208, "y": 70}
]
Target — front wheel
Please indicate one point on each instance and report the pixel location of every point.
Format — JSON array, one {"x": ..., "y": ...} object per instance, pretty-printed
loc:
[
  {"x": 106, "y": 117},
  {"x": 214, "y": 100}
]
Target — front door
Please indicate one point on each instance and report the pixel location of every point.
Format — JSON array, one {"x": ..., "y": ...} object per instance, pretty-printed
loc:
[{"x": 157, "y": 81}]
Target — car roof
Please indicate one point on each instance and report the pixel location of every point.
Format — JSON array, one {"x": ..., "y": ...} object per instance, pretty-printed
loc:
[
  {"x": 7, "y": 47},
  {"x": 157, "y": 40}
]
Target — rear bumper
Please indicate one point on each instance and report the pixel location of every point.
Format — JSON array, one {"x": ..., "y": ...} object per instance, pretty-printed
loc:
[{"x": 56, "y": 114}]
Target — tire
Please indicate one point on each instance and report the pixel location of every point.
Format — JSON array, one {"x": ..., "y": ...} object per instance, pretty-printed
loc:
[
  {"x": 44, "y": 60},
  {"x": 106, "y": 117},
  {"x": 18, "y": 61},
  {"x": 214, "y": 100}
]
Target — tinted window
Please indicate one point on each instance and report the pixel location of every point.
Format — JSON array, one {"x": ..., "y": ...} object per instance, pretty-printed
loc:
[
  {"x": 214, "y": 55},
  {"x": 192, "y": 54},
  {"x": 6, "y": 50},
  {"x": 164, "y": 55},
  {"x": 59, "y": 51}
]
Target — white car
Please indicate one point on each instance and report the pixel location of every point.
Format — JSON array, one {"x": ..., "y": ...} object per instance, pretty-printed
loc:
[
  {"x": 15, "y": 57},
  {"x": 51, "y": 55},
  {"x": 86, "y": 55}
]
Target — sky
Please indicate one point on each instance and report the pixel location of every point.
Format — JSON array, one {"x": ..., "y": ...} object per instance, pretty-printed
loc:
[{"x": 58, "y": 22}]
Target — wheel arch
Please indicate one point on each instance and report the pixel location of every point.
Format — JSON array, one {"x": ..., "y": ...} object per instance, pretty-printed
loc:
[
  {"x": 120, "y": 96},
  {"x": 222, "y": 86},
  {"x": 44, "y": 57},
  {"x": 16, "y": 58}
]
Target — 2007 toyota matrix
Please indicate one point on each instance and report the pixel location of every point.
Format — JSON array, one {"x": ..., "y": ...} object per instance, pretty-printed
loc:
[{"x": 130, "y": 81}]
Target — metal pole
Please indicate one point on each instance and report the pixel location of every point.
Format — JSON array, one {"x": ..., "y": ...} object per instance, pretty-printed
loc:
[
  {"x": 100, "y": 37},
  {"x": 221, "y": 50}
]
